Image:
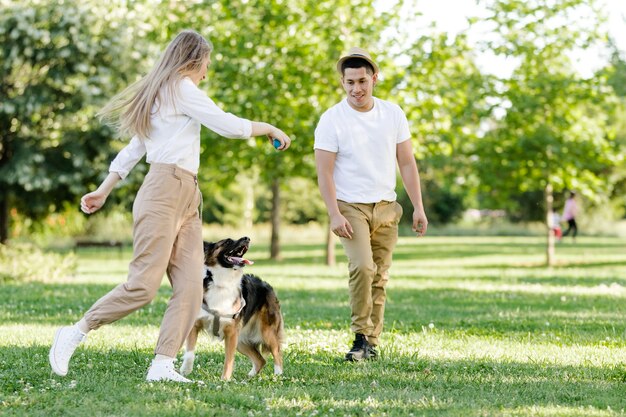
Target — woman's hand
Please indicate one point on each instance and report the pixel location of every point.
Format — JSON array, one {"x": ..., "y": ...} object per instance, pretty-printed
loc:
[
  {"x": 92, "y": 202},
  {"x": 276, "y": 133}
]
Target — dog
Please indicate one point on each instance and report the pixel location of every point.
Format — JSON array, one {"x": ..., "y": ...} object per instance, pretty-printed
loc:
[{"x": 239, "y": 308}]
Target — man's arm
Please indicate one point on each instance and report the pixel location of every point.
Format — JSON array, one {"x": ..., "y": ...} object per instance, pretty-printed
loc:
[
  {"x": 411, "y": 180},
  {"x": 325, "y": 164}
]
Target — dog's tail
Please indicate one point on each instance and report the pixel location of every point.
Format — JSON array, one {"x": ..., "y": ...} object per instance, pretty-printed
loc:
[{"x": 275, "y": 321}]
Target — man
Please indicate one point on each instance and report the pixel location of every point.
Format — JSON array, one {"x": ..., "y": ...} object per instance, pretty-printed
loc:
[{"x": 357, "y": 143}]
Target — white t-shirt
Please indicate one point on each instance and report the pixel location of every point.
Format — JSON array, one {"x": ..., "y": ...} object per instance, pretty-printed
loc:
[
  {"x": 175, "y": 131},
  {"x": 365, "y": 144}
]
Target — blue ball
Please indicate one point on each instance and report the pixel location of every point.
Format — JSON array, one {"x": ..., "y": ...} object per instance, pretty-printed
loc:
[{"x": 276, "y": 143}]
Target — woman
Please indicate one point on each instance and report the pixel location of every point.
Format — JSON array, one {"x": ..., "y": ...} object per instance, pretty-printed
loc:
[{"x": 163, "y": 113}]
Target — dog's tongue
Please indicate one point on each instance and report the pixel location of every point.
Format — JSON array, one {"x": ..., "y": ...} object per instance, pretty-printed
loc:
[{"x": 241, "y": 261}]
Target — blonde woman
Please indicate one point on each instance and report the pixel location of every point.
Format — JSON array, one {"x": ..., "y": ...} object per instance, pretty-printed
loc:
[{"x": 163, "y": 113}]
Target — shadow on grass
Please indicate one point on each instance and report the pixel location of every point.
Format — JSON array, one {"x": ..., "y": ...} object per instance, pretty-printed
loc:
[
  {"x": 315, "y": 253},
  {"x": 566, "y": 281},
  {"x": 314, "y": 381},
  {"x": 420, "y": 249},
  {"x": 579, "y": 318}
]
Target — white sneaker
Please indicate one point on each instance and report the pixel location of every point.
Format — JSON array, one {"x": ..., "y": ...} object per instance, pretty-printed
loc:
[
  {"x": 163, "y": 370},
  {"x": 66, "y": 340}
]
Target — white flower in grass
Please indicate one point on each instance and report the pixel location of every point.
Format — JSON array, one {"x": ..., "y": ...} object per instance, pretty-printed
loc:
[
  {"x": 431, "y": 325},
  {"x": 72, "y": 384}
]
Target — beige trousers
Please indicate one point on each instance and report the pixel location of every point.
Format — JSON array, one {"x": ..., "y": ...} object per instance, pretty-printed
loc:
[
  {"x": 167, "y": 238},
  {"x": 369, "y": 254}
]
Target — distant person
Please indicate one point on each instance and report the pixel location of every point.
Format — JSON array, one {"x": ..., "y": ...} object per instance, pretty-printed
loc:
[
  {"x": 570, "y": 211},
  {"x": 555, "y": 225},
  {"x": 163, "y": 113},
  {"x": 357, "y": 144}
]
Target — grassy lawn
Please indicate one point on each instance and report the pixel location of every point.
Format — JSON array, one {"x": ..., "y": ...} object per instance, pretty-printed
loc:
[{"x": 474, "y": 327}]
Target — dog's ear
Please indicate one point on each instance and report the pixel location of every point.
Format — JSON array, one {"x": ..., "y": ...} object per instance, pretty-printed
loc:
[{"x": 208, "y": 248}]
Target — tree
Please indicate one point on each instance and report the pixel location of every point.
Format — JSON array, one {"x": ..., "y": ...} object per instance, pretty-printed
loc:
[
  {"x": 616, "y": 76},
  {"x": 445, "y": 98},
  {"x": 59, "y": 61},
  {"x": 273, "y": 61},
  {"x": 554, "y": 134}
]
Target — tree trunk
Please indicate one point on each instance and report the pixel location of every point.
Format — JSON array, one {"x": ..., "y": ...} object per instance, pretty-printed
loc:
[
  {"x": 4, "y": 219},
  {"x": 248, "y": 201},
  {"x": 550, "y": 224},
  {"x": 275, "y": 240},
  {"x": 330, "y": 247}
]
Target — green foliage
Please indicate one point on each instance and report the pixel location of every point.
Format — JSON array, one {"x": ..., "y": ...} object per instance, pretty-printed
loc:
[
  {"x": 616, "y": 78},
  {"x": 617, "y": 72},
  {"x": 301, "y": 202},
  {"x": 279, "y": 67},
  {"x": 441, "y": 204},
  {"x": 61, "y": 230},
  {"x": 555, "y": 126},
  {"x": 66, "y": 222},
  {"x": 301, "y": 206},
  {"x": 114, "y": 224},
  {"x": 26, "y": 262},
  {"x": 230, "y": 205},
  {"x": 59, "y": 61},
  {"x": 444, "y": 97},
  {"x": 477, "y": 138}
]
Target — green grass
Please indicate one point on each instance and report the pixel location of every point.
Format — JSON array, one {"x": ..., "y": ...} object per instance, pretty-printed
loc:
[{"x": 474, "y": 327}]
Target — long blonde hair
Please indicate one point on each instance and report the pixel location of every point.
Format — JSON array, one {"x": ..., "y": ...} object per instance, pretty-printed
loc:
[{"x": 129, "y": 111}]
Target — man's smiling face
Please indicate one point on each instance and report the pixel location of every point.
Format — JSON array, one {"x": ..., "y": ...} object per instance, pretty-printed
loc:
[{"x": 359, "y": 87}]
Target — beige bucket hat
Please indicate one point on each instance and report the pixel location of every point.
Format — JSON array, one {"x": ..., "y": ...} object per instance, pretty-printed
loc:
[{"x": 355, "y": 52}]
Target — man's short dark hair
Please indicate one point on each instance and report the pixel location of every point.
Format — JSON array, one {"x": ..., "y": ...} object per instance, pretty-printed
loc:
[{"x": 357, "y": 63}]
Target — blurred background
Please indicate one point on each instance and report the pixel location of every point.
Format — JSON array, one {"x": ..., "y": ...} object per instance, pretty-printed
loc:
[{"x": 511, "y": 104}]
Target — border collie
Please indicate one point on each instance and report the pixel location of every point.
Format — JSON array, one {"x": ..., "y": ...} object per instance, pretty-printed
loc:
[{"x": 238, "y": 308}]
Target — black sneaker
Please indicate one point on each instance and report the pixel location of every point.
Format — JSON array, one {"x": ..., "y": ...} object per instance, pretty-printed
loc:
[
  {"x": 360, "y": 349},
  {"x": 372, "y": 352}
]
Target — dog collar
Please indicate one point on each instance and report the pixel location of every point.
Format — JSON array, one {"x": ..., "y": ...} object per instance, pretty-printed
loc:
[{"x": 217, "y": 316}]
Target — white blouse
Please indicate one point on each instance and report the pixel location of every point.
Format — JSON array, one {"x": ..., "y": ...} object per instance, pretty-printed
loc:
[{"x": 175, "y": 131}]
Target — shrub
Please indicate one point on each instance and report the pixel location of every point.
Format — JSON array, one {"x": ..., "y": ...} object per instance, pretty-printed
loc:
[{"x": 26, "y": 262}]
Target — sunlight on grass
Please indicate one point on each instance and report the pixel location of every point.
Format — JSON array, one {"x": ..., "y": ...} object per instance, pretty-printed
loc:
[
  {"x": 613, "y": 289},
  {"x": 552, "y": 411},
  {"x": 474, "y": 327}
]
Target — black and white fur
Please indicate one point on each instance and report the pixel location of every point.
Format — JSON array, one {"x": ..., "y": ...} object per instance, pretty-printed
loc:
[{"x": 239, "y": 308}]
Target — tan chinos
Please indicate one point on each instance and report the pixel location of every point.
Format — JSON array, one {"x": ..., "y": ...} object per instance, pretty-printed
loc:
[
  {"x": 374, "y": 237},
  {"x": 167, "y": 238}
]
